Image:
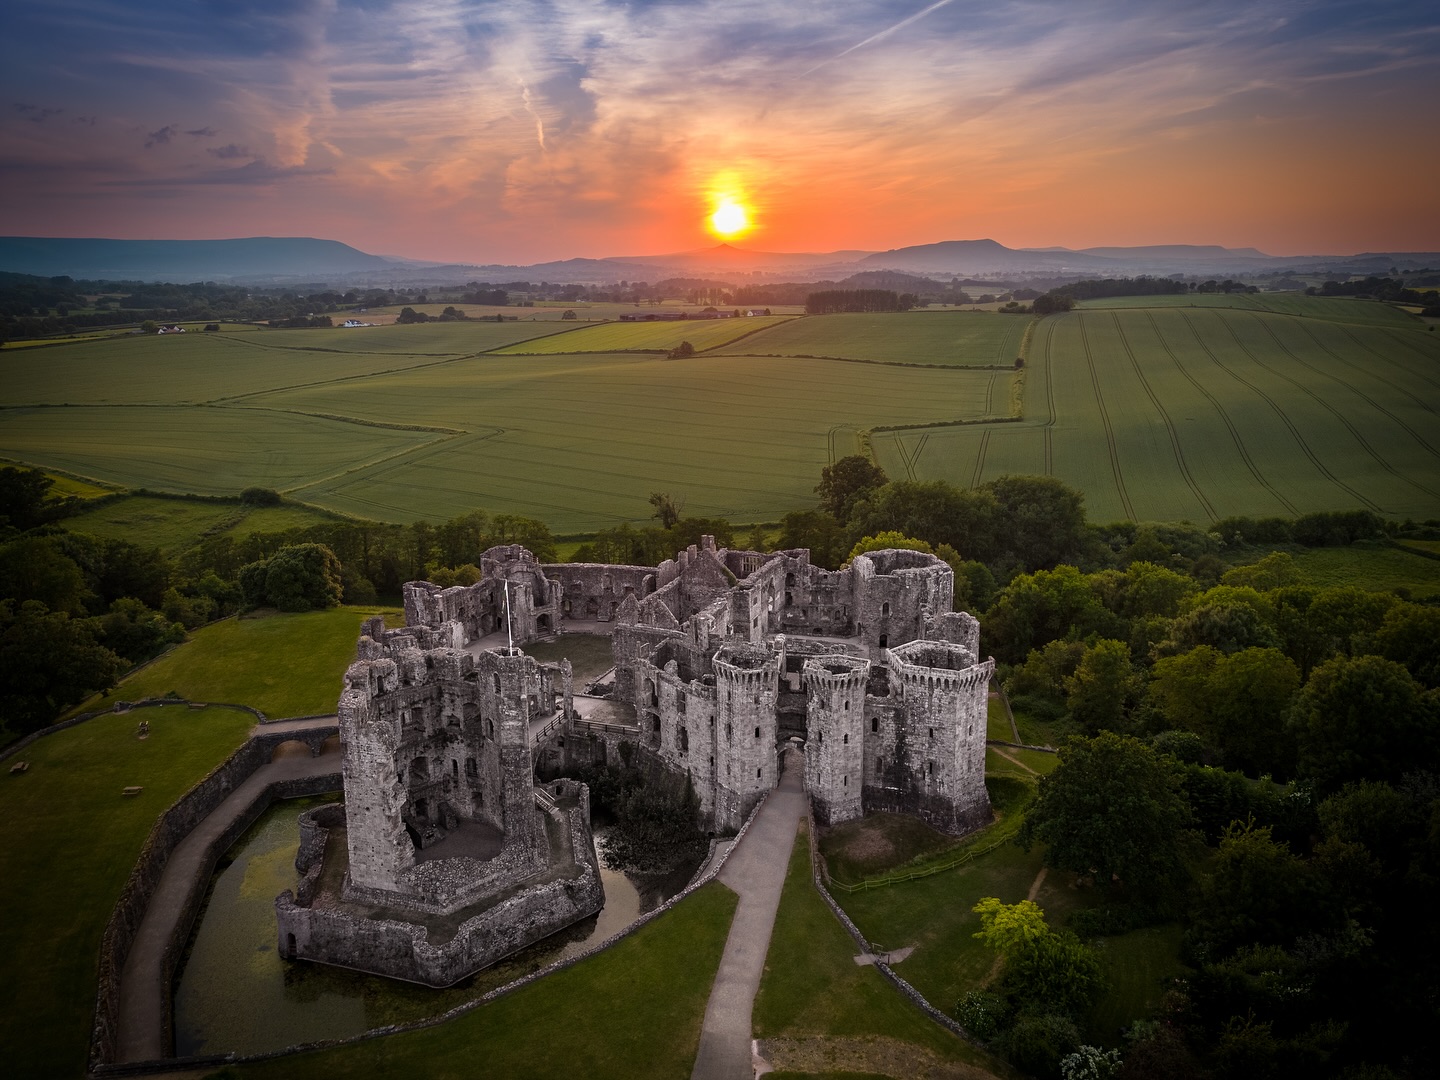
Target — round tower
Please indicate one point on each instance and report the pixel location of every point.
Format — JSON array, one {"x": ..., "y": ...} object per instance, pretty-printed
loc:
[
  {"x": 747, "y": 681},
  {"x": 834, "y": 735}
]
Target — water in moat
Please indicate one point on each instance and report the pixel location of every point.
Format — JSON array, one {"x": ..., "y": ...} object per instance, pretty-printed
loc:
[{"x": 236, "y": 993}]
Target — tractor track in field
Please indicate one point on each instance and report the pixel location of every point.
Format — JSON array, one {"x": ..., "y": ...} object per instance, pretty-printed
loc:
[
  {"x": 1360, "y": 438},
  {"x": 1392, "y": 362},
  {"x": 1105, "y": 420},
  {"x": 1398, "y": 336},
  {"x": 1049, "y": 424},
  {"x": 1279, "y": 412},
  {"x": 980, "y": 460},
  {"x": 1220, "y": 409},
  {"x": 1169, "y": 424},
  {"x": 1361, "y": 394}
]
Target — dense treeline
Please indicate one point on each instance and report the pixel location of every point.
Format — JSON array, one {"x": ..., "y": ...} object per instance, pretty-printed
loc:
[
  {"x": 1097, "y": 288},
  {"x": 1382, "y": 288},
  {"x": 831, "y": 301}
]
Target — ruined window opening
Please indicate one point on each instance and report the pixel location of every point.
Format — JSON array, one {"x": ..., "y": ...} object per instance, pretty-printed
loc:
[
  {"x": 789, "y": 599},
  {"x": 885, "y": 610},
  {"x": 970, "y": 730},
  {"x": 932, "y": 733},
  {"x": 874, "y": 723},
  {"x": 491, "y": 724},
  {"x": 757, "y": 733},
  {"x": 497, "y": 682},
  {"x": 847, "y": 706},
  {"x": 728, "y": 739},
  {"x": 684, "y": 741},
  {"x": 820, "y": 737},
  {"x": 470, "y": 768},
  {"x": 845, "y": 780},
  {"x": 680, "y": 704},
  {"x": 789, "y": 581},
  {"x": 757, "y": 774},
  {"x": 455, "y": 769},
  {"x": 845, "y": 739},
  {"x": 657, "y": 723},
  {"x": 930, "y": 767},
  {"x": 884, "y": 641}
]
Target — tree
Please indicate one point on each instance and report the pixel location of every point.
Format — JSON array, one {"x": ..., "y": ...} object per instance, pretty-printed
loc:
[
  {"x": 847, "y": 481},
  {"x": 33, "y": 568},
  {"x": 1104, "y": 688},
  {"x": 1410, "y": 635},
  {"x": 933, "y": 511},
  {"x": 135, "y": 632},
  {"x": 1042, "y": 607},
  {"x": 260, "y": 496},
  {"x": 1363, "y": 719},
  {"x": 51, "y": 662},
  {"x": 682, "y": 351},
  {"x": 818, "y": 531},
  {"x": 884, "y": 541},
  {"x": 1112, "y": 808},
  {"x": 25, "y": 499},
  {"x": 568, "y": 314},
  {"x": 1041, "y": 518},
  {"x": 1257, "y": 892},
  {"x": 666, "y": 509}
]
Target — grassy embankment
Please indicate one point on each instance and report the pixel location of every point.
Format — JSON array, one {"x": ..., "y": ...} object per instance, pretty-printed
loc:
[
  {"x": 828, "y": 1009},
  {"x": 68, "y": 841}
]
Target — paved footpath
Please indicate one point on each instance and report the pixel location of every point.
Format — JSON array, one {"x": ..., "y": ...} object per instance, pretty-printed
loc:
[
  {"x": 144, "y": 996},
  {"x": 756, "y": 871}
]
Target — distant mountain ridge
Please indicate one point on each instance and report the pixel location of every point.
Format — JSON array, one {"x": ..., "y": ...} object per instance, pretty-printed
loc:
[{"x": 302, "y": 260}]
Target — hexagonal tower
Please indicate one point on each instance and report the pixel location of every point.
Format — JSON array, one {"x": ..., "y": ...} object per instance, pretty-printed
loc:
[
  {"x": 834, "y": 724},
  {"x": 942, "y": 694},
  {"x": 747, "y": 681}
]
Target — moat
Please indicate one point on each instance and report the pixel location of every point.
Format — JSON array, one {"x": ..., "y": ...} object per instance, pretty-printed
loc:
[{"x": 237, "y": 993}]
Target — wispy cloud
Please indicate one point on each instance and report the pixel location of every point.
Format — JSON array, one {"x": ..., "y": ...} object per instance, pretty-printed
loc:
[{"x": 463, "y": 123}]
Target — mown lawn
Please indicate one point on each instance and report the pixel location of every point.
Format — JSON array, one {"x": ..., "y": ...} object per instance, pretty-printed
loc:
[
  {"x": 68, "y": 841},
  {"x": 813, "y": 987},
  {"x": 632, "y": 1011},
  {"x": 283, "y": 665}
]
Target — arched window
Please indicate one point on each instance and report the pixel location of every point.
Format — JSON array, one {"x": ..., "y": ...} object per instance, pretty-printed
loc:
[
  {"x": 497, "y": 682},
  {"x": 885, "y": 609},
  {"x": 845, "y": 740},
  {"x": 684, "y": 741},
  {"x": 874, "y": 723}
]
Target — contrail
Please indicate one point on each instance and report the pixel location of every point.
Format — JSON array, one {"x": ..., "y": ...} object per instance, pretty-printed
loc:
[
  {"x": 876, "y": 37},
  {"x": 539, "y": 124}
]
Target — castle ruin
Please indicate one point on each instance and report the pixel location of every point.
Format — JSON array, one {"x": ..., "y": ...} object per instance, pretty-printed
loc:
[{"x": 446, "y": 856}]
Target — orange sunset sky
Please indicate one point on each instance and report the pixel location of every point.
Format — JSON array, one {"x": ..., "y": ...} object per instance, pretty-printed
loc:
[{"x": 507, "y": 132}]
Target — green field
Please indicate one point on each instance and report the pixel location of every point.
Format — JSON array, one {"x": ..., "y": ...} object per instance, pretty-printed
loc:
[
  {"x": 952, "y": 338},
  {"x": 1164, "y": 413},
  {"x": 68, "y": 841},
  {"x": 173, "y": 525},
  {"x": 580, "y": 442},
  {"x": 1266, "y": 404},
  {"x": 283, "y": 665},
  {"x": 629, "y": 336}
]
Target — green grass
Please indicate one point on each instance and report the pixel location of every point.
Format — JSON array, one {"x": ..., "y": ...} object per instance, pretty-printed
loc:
[
  {"x": 199, "y": 449},
  {"x": 68, "y": 841},
  {"x": 75, "y": 487},
  {"x": 169, "y": 524},
  {"x": 581, "y": 441},
  {"x": 879, "y": 842},
  {"x": 634, "y": 1010},
  {"x": 1162, "y": 412},
  {"x": 813, "y": 987},
  {"x": 1377, "y": 567},
  {"x": 1278, "y": 404},
  {"x": 959, "y": 338},
  {"x": 174, "y": 525},
  {"x": 590, "y": 655},
  {"x": 623, "y": 337},
  {"x": 1139, "y": 964},
  {"x": 283, "y": 665}
]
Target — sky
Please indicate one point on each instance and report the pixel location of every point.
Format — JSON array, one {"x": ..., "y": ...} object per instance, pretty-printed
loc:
[{"x": 486, "y": 132}]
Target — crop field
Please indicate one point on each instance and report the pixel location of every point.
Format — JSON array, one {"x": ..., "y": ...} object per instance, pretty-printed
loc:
[
  {"x": 580, "y": 442},
  {"x": 625, "y": 337},
  {"x": 177, "y": 524},
  {"x": 959, "y": 338},
  {"x": 201, "y": 449},
  {"x": 1160, "y": 412},
  {"x": 1157, "y": 410}
]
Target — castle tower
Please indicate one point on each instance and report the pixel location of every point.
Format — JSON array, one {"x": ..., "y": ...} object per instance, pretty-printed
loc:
[
  {"x": 510, "y": 686},
  {"x": 834, "y": 746},
  {"x": 747, "y": 681},
  {"x": 942, "y": 695},
  {"x": 380, "y": 848}
]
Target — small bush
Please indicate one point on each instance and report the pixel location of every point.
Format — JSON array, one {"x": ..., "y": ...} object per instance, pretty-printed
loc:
[{"x": 259, "y": 496}]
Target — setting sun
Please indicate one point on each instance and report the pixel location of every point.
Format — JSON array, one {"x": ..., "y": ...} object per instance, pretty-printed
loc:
[{"x": 729, "y": 219}]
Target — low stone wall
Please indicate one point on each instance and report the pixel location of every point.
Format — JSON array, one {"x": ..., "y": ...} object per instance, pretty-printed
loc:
[
  {"x": 819, "y": 874},
  {"x": 173, "y": 826}
]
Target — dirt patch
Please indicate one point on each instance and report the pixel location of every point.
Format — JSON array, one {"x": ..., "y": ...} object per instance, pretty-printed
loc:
[{"x": 887, "y": 1057}]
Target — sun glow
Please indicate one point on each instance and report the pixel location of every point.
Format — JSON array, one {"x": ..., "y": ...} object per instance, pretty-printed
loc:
[{"x": 730, "y": 218}]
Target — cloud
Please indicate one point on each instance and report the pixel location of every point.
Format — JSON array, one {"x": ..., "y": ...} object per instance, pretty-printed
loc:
[
  {"x": 162, "y": 136},
  {"x": 229, "y": 151},
  {"x": 36, "y": 114},
  {"x": 255, "y": 174},
  {"x": 203, "y": 133}
]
